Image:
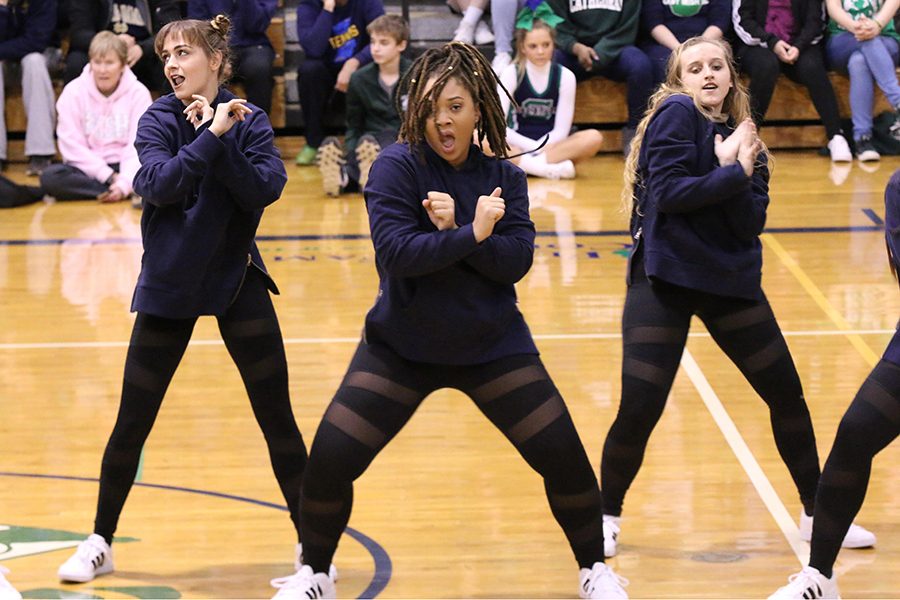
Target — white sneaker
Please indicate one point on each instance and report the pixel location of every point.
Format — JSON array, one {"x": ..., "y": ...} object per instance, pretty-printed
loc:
[
  {"x": 500, "y": 62},
  {"x": 857, "y": 537},
  {"x": 298, "y": 563},
  {"x": 7, "y": 591},
  {"x": 483, "y": 34},
  {"x": 611, "y": 527},
  {"x": 809, "y": 584},
  {"x": 601, "y": 582},
  {"x": 464, "y": 33},
  {"x": 840, "y": 149},
  {"x": 92, "y": 558},
  {"x": 305, "y": 585}
]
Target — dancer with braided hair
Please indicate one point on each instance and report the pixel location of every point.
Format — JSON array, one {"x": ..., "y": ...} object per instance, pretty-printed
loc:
[
  {"x": 452, "y": 235},
  {"x": 209, "y": 166}
]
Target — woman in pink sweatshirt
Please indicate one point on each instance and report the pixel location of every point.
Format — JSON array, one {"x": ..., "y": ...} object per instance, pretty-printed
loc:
[{"x": 98, "y": 114}]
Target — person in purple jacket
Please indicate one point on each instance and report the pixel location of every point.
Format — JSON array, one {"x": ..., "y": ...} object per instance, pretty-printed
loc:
[
  {"x": 667, "y": 23},
  {"x": 871, "y": 423},
  {"x": 253, "y": 52},
  {"x": 334, "y": 37},
  {"x": 697, "y": 189},
  {"x": 452, "y": 236},
  {"x": 209, "y": 166}
]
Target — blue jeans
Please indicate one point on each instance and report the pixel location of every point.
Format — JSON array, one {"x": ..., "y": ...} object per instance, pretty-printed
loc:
[
  {"x": 631, "y": 66},
  {"x": 866, "y": 63}
]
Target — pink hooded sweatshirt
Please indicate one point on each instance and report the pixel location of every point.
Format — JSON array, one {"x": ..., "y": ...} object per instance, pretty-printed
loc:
[{"x": 95, "y": 131}]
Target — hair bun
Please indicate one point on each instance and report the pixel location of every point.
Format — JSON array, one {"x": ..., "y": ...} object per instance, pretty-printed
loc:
[{"x": 221, "y": 23}]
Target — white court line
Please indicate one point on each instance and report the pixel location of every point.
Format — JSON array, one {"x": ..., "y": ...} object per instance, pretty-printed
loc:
[
  {"x": 762, "y": 484},
  {"x": 354, "y": 340}
]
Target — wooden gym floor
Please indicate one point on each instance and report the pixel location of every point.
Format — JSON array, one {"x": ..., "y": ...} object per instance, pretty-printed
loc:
[{"x": 448, "y": 509}]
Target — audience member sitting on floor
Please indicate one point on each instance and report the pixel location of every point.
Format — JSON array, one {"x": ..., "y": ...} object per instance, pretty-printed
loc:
[
  {"x": 134, "y": 21},
  {"x": 252, "y": 52},
  {"x": 26, "y": 29},
  {"x": 372, "y": 118},
  {"x": 333, "y": 35},
  {"x": 863, "y": 44},
  {"x": 545, "y": 93},
  {"x": 98, "y": 118},
  {"x": 782, "y": 36}
]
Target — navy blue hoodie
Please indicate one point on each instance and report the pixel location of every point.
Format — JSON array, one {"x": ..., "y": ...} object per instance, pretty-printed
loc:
[
  {"x": 333, "y": 37},
  {"x": 444, "y": 298},
  {"x": 697, "y": 224},
  {"x": 203, "y": 200}
]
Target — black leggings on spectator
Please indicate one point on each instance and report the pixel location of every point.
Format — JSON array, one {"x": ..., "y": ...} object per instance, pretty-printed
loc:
[
  {"x": 764, "y": 67},
  {"x": 253, "y": 67},
  {"x": 253, "y": 338},
  {"x": 380, "y": 393},
  {"x": 655, "y": 326},
  {"x": 871, "y": 423}
]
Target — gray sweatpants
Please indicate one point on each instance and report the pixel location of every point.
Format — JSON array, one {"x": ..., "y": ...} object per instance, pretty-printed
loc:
[{"x": 40, "y": 105}]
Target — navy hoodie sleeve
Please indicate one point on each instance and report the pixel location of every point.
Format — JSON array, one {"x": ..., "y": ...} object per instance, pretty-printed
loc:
[
  {"x": 746, "y": 212},
  {"x": 313, "y": 28},
  {"x": 402, "y": 246},
  {"x": 164, "y": 178},
  {"x": 33, "y": 36},
  {"x": 506, "y": 255},
  {"x": 249, "y": 164},
  {"x": 672, "y": 157},
  {"x": 255, "y": 16},
  {"x": 720, "y": 14}
]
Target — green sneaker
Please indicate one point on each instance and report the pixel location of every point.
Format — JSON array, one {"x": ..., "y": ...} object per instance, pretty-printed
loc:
[{"x": 306, "y": 157}]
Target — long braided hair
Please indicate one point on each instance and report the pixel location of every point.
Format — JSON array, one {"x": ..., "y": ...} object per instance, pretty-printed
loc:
[{"x": 471, "y": 69}]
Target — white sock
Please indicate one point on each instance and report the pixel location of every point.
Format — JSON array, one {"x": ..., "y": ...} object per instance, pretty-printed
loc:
[
  {"x": 534, "y": 164},
  {"x": 472, "y": 16}
]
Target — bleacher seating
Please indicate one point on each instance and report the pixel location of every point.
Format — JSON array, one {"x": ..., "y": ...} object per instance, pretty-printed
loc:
[{"x": 792, "y": 120}]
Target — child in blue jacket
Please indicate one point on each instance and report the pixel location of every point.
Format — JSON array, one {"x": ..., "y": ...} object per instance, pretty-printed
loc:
[
  {"x": 209, "y": 167},
  {"x": 452, "y": 236},
  {"x": 697, "y": 185}
]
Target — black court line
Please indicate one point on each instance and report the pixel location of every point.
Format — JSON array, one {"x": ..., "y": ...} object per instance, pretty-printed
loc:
[{"x": 365, "y": 236}]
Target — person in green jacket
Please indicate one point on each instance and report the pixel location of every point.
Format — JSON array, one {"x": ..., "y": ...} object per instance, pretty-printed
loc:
[
  {"x": 597, "y": 38},
  {"x": 372, "y": 118}
]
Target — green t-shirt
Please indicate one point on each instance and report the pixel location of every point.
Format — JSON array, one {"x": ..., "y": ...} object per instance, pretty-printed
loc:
[
  {"x": 685, "y": 8},
  {"x": 867, "y": 8}
]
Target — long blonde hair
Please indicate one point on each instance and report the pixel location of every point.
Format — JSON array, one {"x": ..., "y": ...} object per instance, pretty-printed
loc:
[{"x": 735, "y": 108}]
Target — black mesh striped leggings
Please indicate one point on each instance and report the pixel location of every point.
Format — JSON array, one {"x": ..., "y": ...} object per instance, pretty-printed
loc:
[
  {"x": 655, "y": 325},
  {"x": 382, "y": 390},
  {"x": 253, "y": 338},
  {"x": 871, "y": 423}
]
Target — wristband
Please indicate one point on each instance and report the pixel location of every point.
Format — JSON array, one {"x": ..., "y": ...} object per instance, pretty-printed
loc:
[{"x": 877, "y": 22}]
